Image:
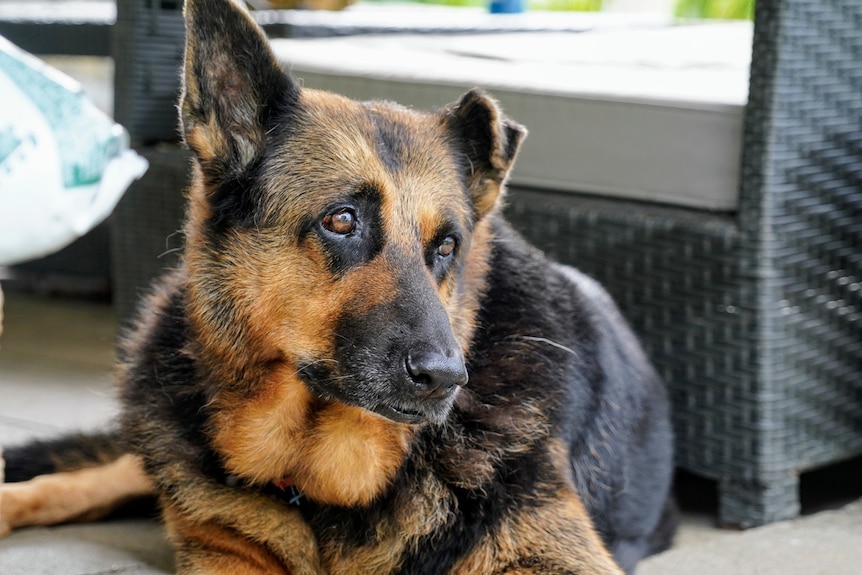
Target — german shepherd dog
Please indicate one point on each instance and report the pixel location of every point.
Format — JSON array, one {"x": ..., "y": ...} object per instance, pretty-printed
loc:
[{"x": 359, "y": 367}]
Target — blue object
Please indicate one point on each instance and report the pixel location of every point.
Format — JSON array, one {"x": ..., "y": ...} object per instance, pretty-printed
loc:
[{"x": 506, "y": 6}]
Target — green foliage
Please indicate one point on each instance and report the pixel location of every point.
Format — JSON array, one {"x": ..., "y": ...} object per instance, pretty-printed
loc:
[
  {"x": 566, "y": 5},
  {"x": 723, "y": 9}
]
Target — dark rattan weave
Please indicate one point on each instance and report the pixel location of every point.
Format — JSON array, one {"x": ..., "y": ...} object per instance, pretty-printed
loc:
[
  {"x": 754, "y": 318},
  {"x": 146, "y": 226}
]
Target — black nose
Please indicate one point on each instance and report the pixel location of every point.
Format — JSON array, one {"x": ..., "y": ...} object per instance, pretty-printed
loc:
[{"x": 436, "y": 374}]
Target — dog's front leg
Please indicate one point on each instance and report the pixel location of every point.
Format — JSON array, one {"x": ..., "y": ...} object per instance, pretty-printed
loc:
[
  {"x": 206, "y": 545},
  {"x": 212, "y": 549},
  {"x": 81, "y": 495},
  {"x": 552, "y": 537}
]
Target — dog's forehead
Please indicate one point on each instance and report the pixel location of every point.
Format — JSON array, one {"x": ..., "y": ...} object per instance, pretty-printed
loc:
[
  {"x": 336, "y": 146},
  {"x": 397, "y": 138}
]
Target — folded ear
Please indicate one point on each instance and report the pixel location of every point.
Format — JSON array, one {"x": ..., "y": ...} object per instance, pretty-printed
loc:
[
  {"x": 233, "y": 87},
  {"x": 489, "y": 142}
]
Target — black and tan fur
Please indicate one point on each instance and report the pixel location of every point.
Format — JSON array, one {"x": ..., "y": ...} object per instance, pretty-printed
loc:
[{"x": 353, "y": 318}]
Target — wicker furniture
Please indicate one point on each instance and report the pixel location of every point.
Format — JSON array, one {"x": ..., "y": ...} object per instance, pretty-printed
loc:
[{"x": 754, "y": 317}]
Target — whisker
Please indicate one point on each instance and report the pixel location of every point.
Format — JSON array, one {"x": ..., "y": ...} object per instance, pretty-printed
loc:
[
  {"x": 549, "y": 342},
  {"x": 170, "y": 251}
]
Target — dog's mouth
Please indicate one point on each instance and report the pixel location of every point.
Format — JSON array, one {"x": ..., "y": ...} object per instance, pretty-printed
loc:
[
  {"x": 434, "y": 412},
  {"x": 399, "y": 414},
  {"x": 405, "y": 410}
]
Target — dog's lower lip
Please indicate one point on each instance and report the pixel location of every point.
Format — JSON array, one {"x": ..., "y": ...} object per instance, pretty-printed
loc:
[{"x": 398, "y": 415}]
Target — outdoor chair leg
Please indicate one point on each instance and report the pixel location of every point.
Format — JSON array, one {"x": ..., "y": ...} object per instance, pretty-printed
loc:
[{"x": 749, "y": 503}]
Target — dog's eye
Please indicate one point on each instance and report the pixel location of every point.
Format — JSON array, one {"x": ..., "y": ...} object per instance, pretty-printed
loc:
[
  {"x": 341, "y": 222},
  {"x": 446, "y": 247}
]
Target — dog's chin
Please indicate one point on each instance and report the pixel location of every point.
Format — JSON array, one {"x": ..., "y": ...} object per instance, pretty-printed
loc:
[{"x": 415, "y": 413}]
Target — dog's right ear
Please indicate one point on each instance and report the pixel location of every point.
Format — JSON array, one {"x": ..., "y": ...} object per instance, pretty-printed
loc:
[{"x": 233, "y": 87}]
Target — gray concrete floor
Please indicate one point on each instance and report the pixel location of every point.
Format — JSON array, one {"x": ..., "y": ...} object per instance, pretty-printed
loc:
[{"x": 56, "y": 358}]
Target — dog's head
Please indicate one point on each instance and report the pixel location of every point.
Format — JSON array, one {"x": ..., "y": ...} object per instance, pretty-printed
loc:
[{"x": 342, "y": 243}]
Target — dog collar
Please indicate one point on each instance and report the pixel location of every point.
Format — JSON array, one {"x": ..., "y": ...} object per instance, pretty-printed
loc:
[
  {"x": 291, "y": 492},
  {"x": 284, "y": 489}
]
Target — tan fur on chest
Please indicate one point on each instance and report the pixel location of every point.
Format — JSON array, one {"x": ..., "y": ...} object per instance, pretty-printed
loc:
[{"x": 334, "y": 453}]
